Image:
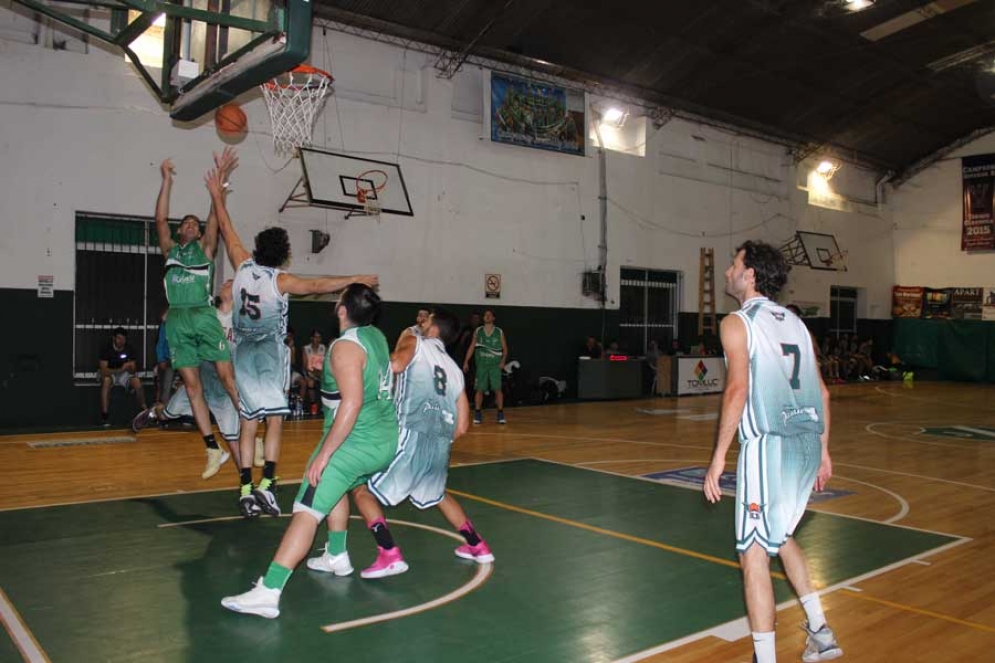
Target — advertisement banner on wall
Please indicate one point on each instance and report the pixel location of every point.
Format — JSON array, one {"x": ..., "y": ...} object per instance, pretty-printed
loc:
[
  {"x": 534, "y": 114},
  {"x": 965, "y": 303},
  {"x": 978, "y": 176},
  {"x": 936, "y": 303},
  {"x": 907, "y": 301},
  {"x": 988, "y": 304},
  {"x": 700, "y": 375}
]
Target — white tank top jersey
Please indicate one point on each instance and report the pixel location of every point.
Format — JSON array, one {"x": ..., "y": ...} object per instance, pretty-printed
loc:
[
  {"x": 260, "y": 309},
  {"x": 428, "y": 390},
  {"x": 226, "y": 326},
  {"x": 784, "y": 397}
]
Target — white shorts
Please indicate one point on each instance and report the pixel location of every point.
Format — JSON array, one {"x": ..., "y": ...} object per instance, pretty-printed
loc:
[
  {"x": 262, "y": 375},
  {"x": 774, "y": 479},
  {"x": 121, "y": 379},
  {"x": 218, "y": 402},
  {"x": 418, "y": 472}
]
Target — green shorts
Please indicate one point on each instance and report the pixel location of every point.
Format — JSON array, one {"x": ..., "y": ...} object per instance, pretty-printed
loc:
[
  {"x": 351, "y": 466},
  {"x": 195, "y": 335},
  {"x": 488, "y": 376}
]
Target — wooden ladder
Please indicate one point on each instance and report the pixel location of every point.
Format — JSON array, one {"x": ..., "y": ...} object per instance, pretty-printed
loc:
[{"x": 706, "y": 292}]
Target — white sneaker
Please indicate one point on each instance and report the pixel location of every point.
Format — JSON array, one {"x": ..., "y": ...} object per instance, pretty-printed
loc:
[
  {"x": 820, "y": 645},
  {"x": 339, "y": 565},
  {"x": 260, "y": 458},
  {"x": 215, "y": 459},
  {"x": 260, "y": 600}
]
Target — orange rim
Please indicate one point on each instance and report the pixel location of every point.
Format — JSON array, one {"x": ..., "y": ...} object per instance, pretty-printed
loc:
[
  {"x": 301, "y": 69},
  {"x": 362, "y": 192}
]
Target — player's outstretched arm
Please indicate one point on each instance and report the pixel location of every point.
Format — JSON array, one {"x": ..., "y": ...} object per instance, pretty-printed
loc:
[
  {"x": 296, "y": 285},
  {"x": 162, "y": 208},
  {"x": 224, "y": 164},
  {"x": 347, "y": 363},
  {"x": 504, "y": 350},
  {"x": 215, "y": 185},
  {"x": 469, "y": 350},
  {"x": 734, "y": 342},
  {"x": 402, "y": 356}
]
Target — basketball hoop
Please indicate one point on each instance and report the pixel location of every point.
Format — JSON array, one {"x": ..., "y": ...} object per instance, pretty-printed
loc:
[
  {"x": 294, "y": 100},
  {"x": 368, "y": 186},
  {"x": 837, "y": 261}
]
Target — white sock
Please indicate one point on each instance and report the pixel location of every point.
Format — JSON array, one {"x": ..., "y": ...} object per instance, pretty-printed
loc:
[
  {"x": 813, "y": 610},
  {"x": 764, "y": 648}
]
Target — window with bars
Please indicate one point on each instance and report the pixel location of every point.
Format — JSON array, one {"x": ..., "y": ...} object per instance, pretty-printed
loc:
[
  {"x": 842, "y": 310},
  {"x": 119, "y": 271},
  {"x": 649, "y": 303}
]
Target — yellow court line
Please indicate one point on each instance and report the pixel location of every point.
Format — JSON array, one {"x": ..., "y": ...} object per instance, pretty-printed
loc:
[
  {"x": 919, "y": 611},
  {"x": 607, "y": 532}
]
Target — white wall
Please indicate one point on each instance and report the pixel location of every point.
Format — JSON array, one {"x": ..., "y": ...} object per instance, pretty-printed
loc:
[
  {"x": 928, "y": 215},
  {"x": 82, "y": 133}
]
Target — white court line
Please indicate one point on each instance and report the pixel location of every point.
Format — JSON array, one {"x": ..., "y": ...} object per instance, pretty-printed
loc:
[
  {"x": 124, "y": 498},
  {"x": 905, "y": 438},
  {"x": 976, "y": 431},
  {"x": 902, "y": 502},
  {"x": 933, "y": 401},
  {"x": 483, "y": 572},
  {"x": 917, "y": 476},
  {"x": 687, "y": 487},
  {"x": 729, "y": 630},
  {"x": 19, "y": 632}
]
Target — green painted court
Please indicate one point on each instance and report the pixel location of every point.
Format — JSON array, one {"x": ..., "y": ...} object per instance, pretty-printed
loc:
[{"x": 590, "y": 567}]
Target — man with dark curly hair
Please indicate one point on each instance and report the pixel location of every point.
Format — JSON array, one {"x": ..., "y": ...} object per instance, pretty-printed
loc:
[
  {"x": 262, "y": 363},
  {"x": 776, "y": 399}
]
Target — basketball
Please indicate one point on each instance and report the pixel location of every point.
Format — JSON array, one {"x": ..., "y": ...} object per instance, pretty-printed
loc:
[{"x": 230, "y": 121}]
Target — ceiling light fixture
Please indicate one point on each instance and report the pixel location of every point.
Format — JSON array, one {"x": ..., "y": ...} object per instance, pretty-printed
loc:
[
  {"x": 827, "y": 168},
  {"x": 857, "y": 5}
]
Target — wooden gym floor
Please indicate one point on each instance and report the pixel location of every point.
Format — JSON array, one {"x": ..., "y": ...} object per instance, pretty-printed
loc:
[{"x": 114, "y": 549}]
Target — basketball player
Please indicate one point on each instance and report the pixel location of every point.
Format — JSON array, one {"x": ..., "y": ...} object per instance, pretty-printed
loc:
[
  {"x": 489, "y": 350},
  {"x": 432, "y": 410},
  {"x": 194, "y": 333},
  {"x": 220, "y": 405},
  {"x": 360, "y": 439},
  {"x": 775, "y": 396},
  {"x": 261, "y": 290}
]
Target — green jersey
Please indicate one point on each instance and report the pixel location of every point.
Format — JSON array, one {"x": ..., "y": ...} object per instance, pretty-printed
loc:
[
  {"x": 189, "y": 274},
  {"x": 487, "y": 348},
  {"x": 377, "y": 421}
]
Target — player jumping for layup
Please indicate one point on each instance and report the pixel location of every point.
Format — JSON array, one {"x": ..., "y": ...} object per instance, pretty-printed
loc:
[{"x": 262, "y": 362}]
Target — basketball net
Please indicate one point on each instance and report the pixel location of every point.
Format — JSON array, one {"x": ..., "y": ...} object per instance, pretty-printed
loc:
[
  {"x": 371, "y": 206},
  {"x": 837, "y": 261},
  {"x": 294, "y": 100}
]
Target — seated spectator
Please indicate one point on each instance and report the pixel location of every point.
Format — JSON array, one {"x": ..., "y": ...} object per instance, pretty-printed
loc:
[
  {"x": 828, "y": 362},
  {"x": 314, "y": 363},
  {"x": 675, "y": 348},
  {"x": 613, "y": 348},
  {"x": 592, "y": 349},
  {"x": 118, "y": 366},
  {"x": 164, "y": 365}
]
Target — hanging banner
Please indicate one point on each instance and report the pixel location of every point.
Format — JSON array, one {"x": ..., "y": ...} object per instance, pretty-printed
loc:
[
  {"x": 936, "y": 303},
  {"x": 534, "y": 114},
  {"x": 988, "y": 305},
  {"x": 965, "y": 303},
  {"x": 906, "y": 302},
  {"x": 978, "y": 175}
]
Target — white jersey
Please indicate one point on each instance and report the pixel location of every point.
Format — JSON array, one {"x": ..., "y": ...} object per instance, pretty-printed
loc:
[
  {"x": 784, "y": 397},
  {"x": 260, "y": 308},
  {"x": 428, "y": 390},
  {"x": 226, "y": 326}
]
